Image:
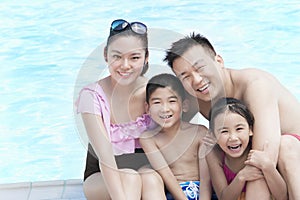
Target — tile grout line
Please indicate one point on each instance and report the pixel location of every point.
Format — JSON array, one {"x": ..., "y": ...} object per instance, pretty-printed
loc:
[
  {"x": 29, "y": 193},
  {"x": 64, "y": 189}
]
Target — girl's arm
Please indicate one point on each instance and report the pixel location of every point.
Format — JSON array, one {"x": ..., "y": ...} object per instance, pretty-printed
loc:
[
  {"x": 159, "y": 163},
  {"x": 275, "y": 182},
  {"x": 100, "y": 142},
  {"x": 219, "y": 181}
]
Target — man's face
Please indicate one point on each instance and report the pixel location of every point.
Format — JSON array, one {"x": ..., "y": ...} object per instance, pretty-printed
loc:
[{"x": 199, "y": 73}]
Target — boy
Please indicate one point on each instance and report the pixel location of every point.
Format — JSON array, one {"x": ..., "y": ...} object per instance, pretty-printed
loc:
[
  {"x": 173, "y": 147},
  {"x": 277, "y": 112}
]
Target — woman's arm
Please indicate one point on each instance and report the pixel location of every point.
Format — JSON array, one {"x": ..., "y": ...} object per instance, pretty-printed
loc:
[
  {"x": 100, "y": 142},
  {"x": 159, "y": 163},
  {"x": 275, "y": 182}
]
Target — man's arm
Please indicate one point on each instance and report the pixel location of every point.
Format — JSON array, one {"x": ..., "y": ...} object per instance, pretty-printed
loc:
[{"x": 263, "y": 103}]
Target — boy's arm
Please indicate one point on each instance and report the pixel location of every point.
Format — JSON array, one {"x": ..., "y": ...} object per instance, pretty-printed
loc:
[
  {"x": 275, "y": 182},
  {"x": 159, "y": 163},
  {"x": 205, "y": 184}
]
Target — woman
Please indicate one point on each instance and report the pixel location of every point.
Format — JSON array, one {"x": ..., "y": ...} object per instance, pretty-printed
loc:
[{"x": 112, "y": 110}]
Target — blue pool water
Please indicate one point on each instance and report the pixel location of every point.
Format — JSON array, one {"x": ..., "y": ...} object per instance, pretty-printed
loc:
[{"x": 45, "y": 46}]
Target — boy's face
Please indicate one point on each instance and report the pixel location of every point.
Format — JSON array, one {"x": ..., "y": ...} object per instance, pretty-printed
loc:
[
  {"x": 200, "y": 73},
  {"x": 165, "y": 107}
]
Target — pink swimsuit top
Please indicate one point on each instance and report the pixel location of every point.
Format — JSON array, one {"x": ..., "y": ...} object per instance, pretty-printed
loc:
[
  {"x": 124, "y": 137},
  {"x": 230, "y": 175}
]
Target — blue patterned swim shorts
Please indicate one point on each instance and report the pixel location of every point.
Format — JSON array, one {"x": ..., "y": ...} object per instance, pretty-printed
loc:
[{"x": 190, "y": 189}]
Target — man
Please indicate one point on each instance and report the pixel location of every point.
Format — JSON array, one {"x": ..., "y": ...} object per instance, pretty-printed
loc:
[{"x": 276, "y": 111}]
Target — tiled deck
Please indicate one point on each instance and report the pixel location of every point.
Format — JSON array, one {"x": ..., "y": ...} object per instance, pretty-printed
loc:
[{"x": 45, "y": 190}]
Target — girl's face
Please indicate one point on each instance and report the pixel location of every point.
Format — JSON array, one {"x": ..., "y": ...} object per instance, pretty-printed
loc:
[
  {"x": 165, "y": 107},
  {"x": 232, "y": 132},
  {"x": 126, "y": 58}
]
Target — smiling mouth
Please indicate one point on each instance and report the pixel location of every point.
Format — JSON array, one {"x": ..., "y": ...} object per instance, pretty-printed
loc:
[
  {"x": 124, "y": 74},
  {"x": 204, "y": 88},
  {"x": 165, "y": 116},
  {"x": 234, "y": 148}
]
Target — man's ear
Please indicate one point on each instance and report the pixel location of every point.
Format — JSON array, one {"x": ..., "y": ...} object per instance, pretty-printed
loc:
[
  {"x": 219, "y": 59},
  {"x": 185, "y": 105}
]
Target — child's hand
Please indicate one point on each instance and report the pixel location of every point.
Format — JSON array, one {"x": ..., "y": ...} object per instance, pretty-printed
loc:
[
  {"x": 208, "y": 144},
  {"x": 250, "y": 173},
  {"x": 260, "y": 159},
  {"x": 209, "y": 140}
]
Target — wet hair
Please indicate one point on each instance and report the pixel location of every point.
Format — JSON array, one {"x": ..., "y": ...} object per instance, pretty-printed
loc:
[
  {"x": 127, "y": 32},
  {"x": 179, "y": 47},
  {"x": 232, "y": 105},
  {"x": 162, "y": 81}
]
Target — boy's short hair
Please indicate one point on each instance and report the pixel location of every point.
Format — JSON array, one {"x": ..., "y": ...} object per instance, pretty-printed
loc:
[
  {"x": 179, "y": 47},
  {"x": 162, "y": 81}
]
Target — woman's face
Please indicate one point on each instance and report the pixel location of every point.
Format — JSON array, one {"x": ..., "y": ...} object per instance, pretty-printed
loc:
[
  {"x": 232, "y": 132},
  {"x": 126, "y": 57}
]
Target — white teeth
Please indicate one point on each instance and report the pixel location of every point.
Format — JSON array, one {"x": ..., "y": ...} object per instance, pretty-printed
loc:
[
  {"x": 203, "y": 88},
  {"x": 124, "y": 73},
  {"x": 165, "y": 116}
]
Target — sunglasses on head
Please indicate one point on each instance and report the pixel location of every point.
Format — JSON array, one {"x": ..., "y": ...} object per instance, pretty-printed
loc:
[{"x": 120, "y": 25}]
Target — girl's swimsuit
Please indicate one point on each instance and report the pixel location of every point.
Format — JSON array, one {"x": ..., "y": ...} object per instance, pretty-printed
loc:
[
  {"x": 230, "y": 175},
  {"x": 124, "y": 137}
]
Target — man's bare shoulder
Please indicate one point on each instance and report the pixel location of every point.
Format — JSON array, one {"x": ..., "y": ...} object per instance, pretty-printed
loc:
[
  {"x": 250, "y": 74},
  {"x": 250, "y": 82}
]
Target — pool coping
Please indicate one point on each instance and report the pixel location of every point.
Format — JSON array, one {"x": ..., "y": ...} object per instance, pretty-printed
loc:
[{"x": 43, "y": 190}]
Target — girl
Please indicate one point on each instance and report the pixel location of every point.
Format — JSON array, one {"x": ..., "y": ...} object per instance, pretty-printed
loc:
[
  {"x": 112, "y": 110},
  {"x": 231, "y": 125}
]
